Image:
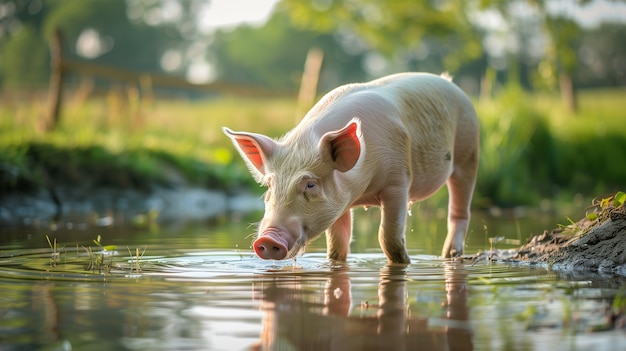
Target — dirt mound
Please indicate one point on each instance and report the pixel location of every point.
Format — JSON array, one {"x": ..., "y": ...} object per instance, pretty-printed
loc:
[{"x": 596, "y": 243}]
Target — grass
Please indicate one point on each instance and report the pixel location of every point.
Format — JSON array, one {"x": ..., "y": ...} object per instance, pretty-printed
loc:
[
  {"x": 109, "y": 139},
  {"x": 95, "y": 260},
  {"x": 532, "y": 148}
]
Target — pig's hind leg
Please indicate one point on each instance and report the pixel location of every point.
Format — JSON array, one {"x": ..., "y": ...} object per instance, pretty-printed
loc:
[
  {"x": 338, "y": 237},
  {"x": 460, "y": 189}
]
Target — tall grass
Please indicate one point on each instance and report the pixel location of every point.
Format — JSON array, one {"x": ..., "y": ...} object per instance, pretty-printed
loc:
[
  {"x": 139, "y": 136},
  {"x": 516, "y": 149},
  {"x": 532, "y": 148}
]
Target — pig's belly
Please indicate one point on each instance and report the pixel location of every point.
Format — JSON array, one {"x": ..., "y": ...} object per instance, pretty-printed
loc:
[
  {"x": 422, "y": 187},
  {"x": 426, "y": 184}
]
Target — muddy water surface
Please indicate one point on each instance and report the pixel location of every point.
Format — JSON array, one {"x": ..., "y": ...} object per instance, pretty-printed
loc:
[{"x": 200, "y": 287}]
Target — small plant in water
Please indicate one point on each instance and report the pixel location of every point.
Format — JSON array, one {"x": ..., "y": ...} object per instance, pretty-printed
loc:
[
  {"x": 239, "y": 251},
  {"x": 54, "y": 258},
  {"x": 97, "y": 260},
  {"x": 494, "y": 240},
  {"x": 136, "y": 258}
]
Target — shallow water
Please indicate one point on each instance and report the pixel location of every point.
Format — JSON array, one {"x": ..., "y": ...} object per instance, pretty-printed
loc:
[{"x": 200, "y": 287}]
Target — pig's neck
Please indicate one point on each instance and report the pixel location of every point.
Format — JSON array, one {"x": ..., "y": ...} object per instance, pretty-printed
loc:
[{"x": 351, "y": 186}]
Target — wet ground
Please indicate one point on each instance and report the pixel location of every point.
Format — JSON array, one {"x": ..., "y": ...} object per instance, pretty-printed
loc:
[{"x": 177, "y": 286}]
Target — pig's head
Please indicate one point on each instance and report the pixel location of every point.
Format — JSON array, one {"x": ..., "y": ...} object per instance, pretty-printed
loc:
[{"x": 304, "y": 176}]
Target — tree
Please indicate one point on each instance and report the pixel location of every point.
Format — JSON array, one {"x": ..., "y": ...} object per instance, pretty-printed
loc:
[
  {"x": 115, "y": 39},
  {"x": 397, "y": 29},
  {"x": 402, "y": 29},
  {"x": 602, "y": 56},
  {"x": 23, "y": 51},
  {"x": 274, "y": 54},
  {"x": 24, "y": 58},
  {"x": 120, "y": 42},
  {"x": 565, "y": 37}
]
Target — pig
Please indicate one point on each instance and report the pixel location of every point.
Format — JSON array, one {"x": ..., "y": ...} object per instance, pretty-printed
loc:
[{"x": 386, "y": 143}]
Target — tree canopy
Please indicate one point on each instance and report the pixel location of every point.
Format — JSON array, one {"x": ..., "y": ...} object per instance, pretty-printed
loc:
[
  {"x": 535, "y": 44},
  {"x": 97, "y": 30},
  {"x": 274, "y": 54},
  {"x": 397, "y": 29}
]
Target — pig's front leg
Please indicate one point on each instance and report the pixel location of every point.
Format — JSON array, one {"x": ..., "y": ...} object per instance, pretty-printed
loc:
[
  {"x": 338, "y": 237},
  {"x": 394, "y": 201}
]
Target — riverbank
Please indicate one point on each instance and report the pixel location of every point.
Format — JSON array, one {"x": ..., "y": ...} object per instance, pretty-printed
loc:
[
  {"x": 92, "y": 186},
  {"x": 595, "y": 243},
  {"x": 105, "y": 207}
]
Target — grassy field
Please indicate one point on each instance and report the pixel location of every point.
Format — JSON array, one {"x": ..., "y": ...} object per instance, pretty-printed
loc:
[
  {"x": 136, "y": 138},
  {"x": 532, "y": 148}
]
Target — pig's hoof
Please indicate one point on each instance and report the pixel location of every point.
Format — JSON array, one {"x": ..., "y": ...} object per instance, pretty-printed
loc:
[
  {"x": 269, "y": 249},
  {"x": 454, "y": 254}
]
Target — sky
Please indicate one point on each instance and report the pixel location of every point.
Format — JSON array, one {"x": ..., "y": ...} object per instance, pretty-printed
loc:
[
  {"x": 230, "y": 13},
  {"x": 592, "y": 13}
]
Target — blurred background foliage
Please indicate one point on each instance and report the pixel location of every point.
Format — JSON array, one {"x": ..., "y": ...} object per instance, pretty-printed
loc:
[{"x": 548, "y": 78}]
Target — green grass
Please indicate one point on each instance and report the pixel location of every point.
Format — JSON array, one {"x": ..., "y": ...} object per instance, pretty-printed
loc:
[
  {"x": 111, "y": 137},
  {"x": 532, "y": 148}
]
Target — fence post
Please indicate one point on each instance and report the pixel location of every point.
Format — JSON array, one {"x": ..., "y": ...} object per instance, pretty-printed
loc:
[
  {"x": 310, "y": 76},
  {"x": 55, "y": 89}
]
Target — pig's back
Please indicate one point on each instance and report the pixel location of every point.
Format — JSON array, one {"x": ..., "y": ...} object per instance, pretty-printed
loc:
[
  {"x": 425, "y": 92},
  {"x": 428, "y": 107},
  {"x": 408, "y": 123},
  {"x": 426, "y": 112}
]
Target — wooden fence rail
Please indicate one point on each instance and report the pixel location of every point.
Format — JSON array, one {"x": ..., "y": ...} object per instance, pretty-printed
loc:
[{"x": 61, "y": 66}]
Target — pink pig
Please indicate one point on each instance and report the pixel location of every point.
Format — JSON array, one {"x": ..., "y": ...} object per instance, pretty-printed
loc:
[{"x": 385, "y": 143}]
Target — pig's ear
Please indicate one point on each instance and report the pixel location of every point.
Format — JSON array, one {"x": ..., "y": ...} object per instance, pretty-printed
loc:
[
  {"x": 255, "y": 149},
  {"x": 343, "y": 146}
]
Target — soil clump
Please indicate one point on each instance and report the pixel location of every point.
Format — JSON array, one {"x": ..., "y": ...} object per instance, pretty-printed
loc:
[{"x": 596, "y": 243}]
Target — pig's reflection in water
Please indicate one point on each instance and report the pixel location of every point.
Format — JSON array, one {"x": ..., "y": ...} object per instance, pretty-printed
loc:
[{"x": 296, "y": 319}]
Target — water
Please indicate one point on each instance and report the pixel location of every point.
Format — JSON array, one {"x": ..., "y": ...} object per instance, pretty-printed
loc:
[{"x": 200, "y": 287}]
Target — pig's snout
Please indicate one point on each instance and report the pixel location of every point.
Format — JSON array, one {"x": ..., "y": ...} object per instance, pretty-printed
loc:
[{"x": 271, "y": 248}]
